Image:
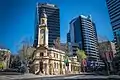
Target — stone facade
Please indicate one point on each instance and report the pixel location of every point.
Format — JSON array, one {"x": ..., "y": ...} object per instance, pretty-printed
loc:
[{"x": 50, "y": 61}]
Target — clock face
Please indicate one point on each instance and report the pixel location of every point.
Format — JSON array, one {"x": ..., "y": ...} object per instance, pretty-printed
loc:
[{"x": 42, "y": 31}]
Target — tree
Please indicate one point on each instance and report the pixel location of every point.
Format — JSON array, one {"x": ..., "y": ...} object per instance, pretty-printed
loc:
[
  {"x": 81, "y": 57},
  {"x": 16, "y": 62},
  {"x": 104, "y": 51},
  {"x": 26, "y": 51},
  {"x": 2, "y": 65},
  {"x": 57, "y": 43},
  {"x": 66, "y": 61}
]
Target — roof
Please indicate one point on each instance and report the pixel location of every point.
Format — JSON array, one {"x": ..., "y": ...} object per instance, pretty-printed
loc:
[
  {"x": 47, "y": 5},
  {"x": 87, "y": 17},
  {"x": 54, "y": 49}
]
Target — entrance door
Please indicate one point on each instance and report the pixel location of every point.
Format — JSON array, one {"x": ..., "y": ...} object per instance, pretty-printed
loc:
[
  {"x": 50, "y": 69},
  {"x": 41, "y": 67}
]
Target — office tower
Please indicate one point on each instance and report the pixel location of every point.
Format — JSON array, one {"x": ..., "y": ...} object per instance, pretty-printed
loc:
[
  {"x": 83, "y": 35},
  {"x": 114, "y": 13},
  {"x": 68, "y": 37},
  {"x": 53, "y": 22}
]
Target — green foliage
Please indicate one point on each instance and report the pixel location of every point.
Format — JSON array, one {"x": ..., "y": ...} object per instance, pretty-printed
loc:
[
  {"x": 66, "y": 58},
  {"x": 3, "y": 55},
  {"x": 2, "y": 65},
  {"x": 81, "y": 54}
]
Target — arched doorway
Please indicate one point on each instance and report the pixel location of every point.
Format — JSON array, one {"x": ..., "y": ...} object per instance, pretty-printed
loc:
[
  {"x": 41, "y": 66},
  {"x": 50, "y": 69}
]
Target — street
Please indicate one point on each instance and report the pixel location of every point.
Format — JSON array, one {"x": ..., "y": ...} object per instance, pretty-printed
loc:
[{"x": 58, "y": 77}]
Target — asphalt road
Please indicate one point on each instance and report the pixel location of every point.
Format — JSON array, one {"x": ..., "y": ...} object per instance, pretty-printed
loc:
[
  {"x": 78, "y": 77},
  {"x": 64, "y": 77}
]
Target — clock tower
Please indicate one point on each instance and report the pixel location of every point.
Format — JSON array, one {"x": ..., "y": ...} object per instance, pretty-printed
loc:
[{"x": 43, "y": 30}]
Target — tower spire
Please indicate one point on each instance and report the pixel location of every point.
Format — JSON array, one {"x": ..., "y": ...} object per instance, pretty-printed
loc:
[
  {"x": 43, "y": 17},
  {"x": 43, "y": 30},
  {"x": 43, "y": 14}
]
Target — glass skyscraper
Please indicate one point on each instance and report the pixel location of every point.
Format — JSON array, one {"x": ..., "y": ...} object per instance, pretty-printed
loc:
[
  {"x": 114, "y": 13},
  {"x": 83, "y": 34},
  {"x": 53, "y": 22}
]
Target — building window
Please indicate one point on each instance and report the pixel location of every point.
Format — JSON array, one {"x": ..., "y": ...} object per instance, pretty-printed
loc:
[
  {"x": 60, "y": 56},
  {"x": 63, "y": 66},
  {"x": 57, "y": 65},
  {"x": 71, "y": 67},
  {"x": 54, "y": 54},
  {"x": 63, "y": 57},
  {"x": 48, "y": 54},
  {"x": 41, "y": 54},
  {"x": 57, "y": 55},
  {"x": 54, "y": 65}
]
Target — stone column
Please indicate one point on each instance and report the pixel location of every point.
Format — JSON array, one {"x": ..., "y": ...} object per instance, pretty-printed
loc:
[
  {"x": 69, "y": 67},
  {"x": 47, "y": 67},
  {"x": 51, "y": 67}
]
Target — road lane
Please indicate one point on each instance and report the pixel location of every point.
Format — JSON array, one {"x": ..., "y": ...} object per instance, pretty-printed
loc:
[{"x": 64, "y": 77}]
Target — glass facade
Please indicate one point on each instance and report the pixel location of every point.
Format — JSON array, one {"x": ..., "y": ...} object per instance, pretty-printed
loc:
[
  {"x": 114, "y": 13},
  {"x": 117, "y": 35},
  {"x": 83, "y": 33},
  {"x": 68, "y": 37},
  {"x": 77, "y": 31},
  {"x": 90, "y": 38},
  {"x": 53, "y": 21}
]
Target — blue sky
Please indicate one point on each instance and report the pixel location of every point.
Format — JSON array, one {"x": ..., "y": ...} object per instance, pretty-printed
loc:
[{"x": 17, "y": 18}]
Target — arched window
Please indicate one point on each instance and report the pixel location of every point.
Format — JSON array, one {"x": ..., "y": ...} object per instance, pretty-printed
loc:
[
  {"x": 54, "y": 65},
  {"x": 43, "y": 21},
  {"x": 57, "y": 65},
  {"x": 48, "y": 54},
  {"x": 41, "y": 54},
  {"x": 42, "y": 31}
]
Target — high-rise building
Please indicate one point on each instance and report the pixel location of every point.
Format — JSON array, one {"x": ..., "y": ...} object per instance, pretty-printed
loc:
[
  {"x": 53, "y": 22},
  {"x": 83, "y": 34},
  {"x": 68, "y": 37},
  {"x": 114, "y": 13}
]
